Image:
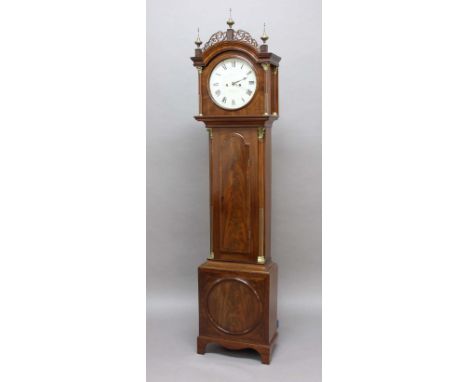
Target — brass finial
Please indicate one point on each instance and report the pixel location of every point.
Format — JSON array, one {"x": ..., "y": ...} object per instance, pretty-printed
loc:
[
  {"x": 264, "y": 36},
  {"x": 198, "y": 42},
  {"x": 230, "y": 22}
]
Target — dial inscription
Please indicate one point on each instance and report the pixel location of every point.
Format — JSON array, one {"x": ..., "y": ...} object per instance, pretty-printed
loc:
[{"x": 232, "y": 83}]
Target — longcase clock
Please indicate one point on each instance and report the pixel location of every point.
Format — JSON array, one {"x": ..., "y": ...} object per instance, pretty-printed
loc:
[{"x": 238, "y": 103}]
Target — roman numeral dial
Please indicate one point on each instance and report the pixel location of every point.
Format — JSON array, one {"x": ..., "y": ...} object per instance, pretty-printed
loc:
[{"x": 232, "y": 83}]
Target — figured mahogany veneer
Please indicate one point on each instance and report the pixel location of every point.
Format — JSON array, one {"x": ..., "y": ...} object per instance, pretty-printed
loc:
[
  {"x": 238, "y": 284},
  {"x": 234, "y": 157}
]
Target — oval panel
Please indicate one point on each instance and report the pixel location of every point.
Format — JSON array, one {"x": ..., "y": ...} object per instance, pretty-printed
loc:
[{"x": 233, "y": 306}]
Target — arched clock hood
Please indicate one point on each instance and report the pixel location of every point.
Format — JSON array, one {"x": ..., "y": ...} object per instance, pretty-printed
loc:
[{"x": 265, "y": 108}]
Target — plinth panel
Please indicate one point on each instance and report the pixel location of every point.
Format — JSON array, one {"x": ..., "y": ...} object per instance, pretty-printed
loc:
[{"x": 233, "y": 306}]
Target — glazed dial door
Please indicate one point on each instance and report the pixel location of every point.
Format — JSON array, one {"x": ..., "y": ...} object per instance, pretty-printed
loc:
[{"x": 232, "y": 83}]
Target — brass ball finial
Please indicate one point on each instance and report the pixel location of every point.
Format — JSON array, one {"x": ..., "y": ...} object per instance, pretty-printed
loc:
[
  {"x": 230, "y": 22},
  {"x": 264, "y": 37},
  {"x": 198, "y": 42}
]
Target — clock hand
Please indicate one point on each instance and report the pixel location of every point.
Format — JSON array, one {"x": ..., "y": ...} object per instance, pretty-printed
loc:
[{"x": 242, "y": 79}]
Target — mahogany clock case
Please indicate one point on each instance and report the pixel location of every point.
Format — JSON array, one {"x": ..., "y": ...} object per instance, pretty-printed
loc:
[{"x": 237, "y": 286}]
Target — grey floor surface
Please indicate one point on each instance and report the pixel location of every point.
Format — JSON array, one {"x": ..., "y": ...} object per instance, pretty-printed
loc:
[{"x": 171, "y": 348}]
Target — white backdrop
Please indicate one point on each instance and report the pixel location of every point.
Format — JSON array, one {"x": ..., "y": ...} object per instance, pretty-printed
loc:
[{"x": 177, "y": 188}]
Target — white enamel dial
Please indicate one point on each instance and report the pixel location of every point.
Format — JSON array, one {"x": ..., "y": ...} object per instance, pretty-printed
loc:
[{"x": 233, "y": 83}]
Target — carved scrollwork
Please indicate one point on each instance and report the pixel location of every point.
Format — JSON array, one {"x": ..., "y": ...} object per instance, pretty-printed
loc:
[
  {"x": 238, "y": 35},
  {"x": 214, "y": 39},
  {"x": 241, "y": 35}
]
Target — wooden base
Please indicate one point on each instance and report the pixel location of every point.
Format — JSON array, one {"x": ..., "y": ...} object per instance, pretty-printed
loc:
[
  {"x": 265, "y": 351},
  {"x": 237, "y": 306}
]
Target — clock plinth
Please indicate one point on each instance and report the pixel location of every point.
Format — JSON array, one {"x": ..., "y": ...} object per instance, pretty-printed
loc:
[
  {"x": 238, "y": 103},
  {"x": 237, "y": 306}
]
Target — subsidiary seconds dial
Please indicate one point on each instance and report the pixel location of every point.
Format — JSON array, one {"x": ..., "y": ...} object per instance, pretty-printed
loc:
[{"x": 233, "y": 83}]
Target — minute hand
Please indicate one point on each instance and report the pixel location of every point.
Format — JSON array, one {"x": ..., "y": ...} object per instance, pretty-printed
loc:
[{"x": 242, "y": 79}]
